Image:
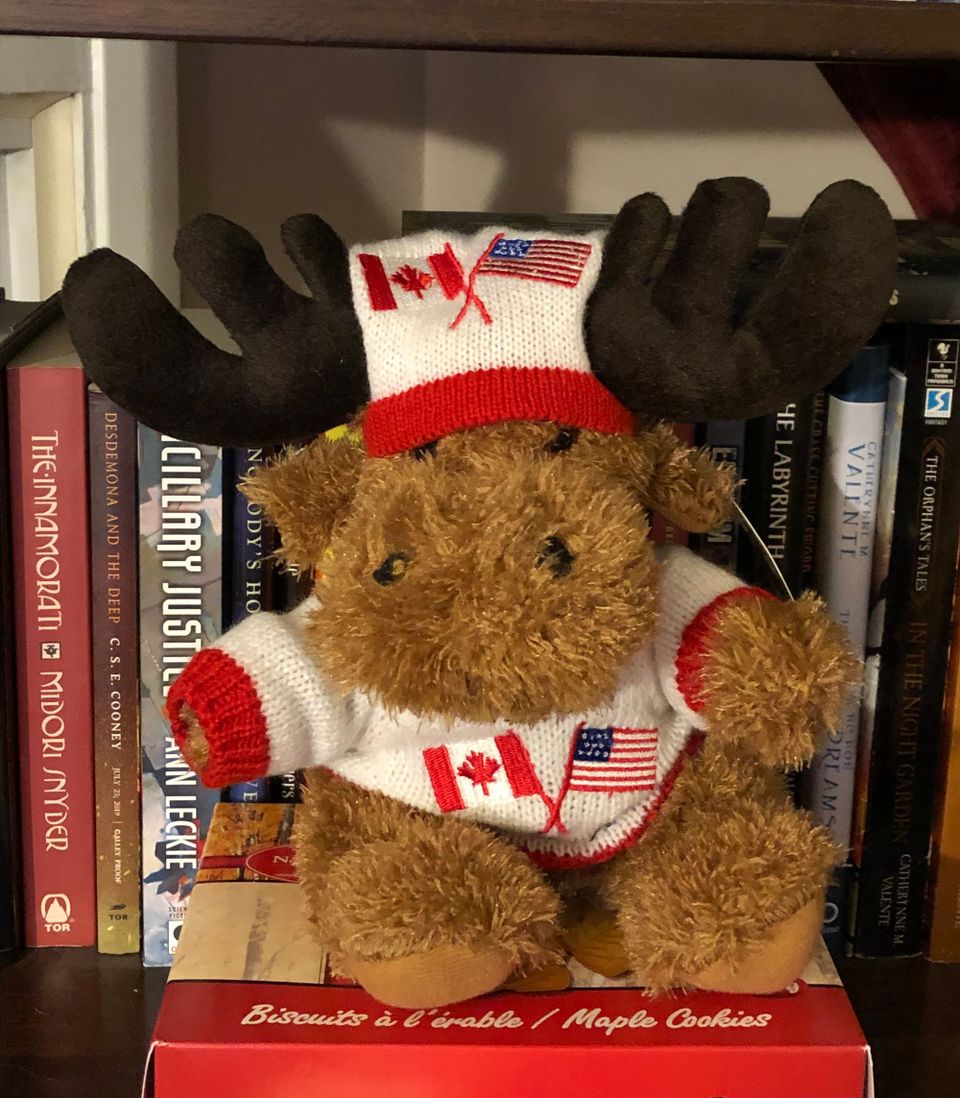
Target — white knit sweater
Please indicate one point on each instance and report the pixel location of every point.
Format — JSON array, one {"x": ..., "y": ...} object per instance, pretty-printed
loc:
[{"x": 572, "y": 789}]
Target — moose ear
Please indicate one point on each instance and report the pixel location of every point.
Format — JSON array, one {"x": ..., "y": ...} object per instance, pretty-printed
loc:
[
  {"x": 305, "y": 493},
  {"x": 686, "y": 485}
]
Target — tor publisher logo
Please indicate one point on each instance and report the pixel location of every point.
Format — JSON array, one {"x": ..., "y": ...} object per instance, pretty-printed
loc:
[{"x": 55, "y": 909}]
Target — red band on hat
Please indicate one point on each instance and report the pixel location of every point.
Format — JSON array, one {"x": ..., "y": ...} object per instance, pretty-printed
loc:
[{"x": 573, "y": 398}]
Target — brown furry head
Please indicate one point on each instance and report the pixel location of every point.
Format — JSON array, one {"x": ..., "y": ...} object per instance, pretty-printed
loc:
[{"x": 504, "y": 572}]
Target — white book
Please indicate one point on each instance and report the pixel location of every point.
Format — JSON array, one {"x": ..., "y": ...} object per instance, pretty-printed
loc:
[{"x": 847, "y": 525}]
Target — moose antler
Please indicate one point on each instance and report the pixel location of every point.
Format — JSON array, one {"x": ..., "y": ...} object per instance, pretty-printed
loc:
[
  {"x": 672, "y": 347},
  {"x": 302, "y": 365}
]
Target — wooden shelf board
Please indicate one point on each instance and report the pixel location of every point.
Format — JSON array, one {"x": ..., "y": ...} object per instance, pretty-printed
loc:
[
  {"x": 811, "y": 29},
  {"x": 75, "y": 1024}
]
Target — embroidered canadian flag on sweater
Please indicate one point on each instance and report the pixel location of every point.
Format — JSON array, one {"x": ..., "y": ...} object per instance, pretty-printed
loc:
[{"x": 572, "y": 790}]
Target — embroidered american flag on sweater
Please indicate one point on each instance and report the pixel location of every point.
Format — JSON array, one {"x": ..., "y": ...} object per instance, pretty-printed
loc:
[{"x": 614, "y": 760}]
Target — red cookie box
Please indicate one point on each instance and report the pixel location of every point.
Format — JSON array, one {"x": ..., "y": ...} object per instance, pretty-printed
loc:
[{"x": 252, "y": 1012}]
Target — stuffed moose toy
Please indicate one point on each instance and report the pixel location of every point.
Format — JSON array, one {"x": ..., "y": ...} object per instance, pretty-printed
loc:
[{"x": 506, "y": 697}]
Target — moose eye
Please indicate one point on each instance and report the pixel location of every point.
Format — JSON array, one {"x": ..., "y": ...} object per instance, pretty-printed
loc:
[
  {"x": 564, "y": 439},
  {"x": 392, "y": 569},
  {"x": 419, "y": 453},
  {"x": 556, "y": 556}
]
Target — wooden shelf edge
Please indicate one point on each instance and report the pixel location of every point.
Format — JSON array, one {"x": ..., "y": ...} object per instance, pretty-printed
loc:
[{"x": 801, "y": 29}]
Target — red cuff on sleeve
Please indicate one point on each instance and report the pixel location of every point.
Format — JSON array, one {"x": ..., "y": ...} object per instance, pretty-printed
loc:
[
  {"x": 695, "y": 642},
  {"x": 225, "y": 701}
]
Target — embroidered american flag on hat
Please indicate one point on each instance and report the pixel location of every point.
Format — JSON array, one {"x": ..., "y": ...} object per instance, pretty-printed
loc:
[{"x": 547, "y": 260}]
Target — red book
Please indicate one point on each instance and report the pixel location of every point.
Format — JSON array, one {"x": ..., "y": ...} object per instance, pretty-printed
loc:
[{"x": 48, "y": 474}]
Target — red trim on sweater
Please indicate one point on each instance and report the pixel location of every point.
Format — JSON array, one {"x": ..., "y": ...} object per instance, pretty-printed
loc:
[
  {"x": 549, "y": 859},
  {"x": 695, "y": 643},
  {"x": 478, "y": 398},
  {"x": 226, "y": 703}
]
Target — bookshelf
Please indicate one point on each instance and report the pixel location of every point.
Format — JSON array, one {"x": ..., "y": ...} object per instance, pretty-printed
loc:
[
  {"x": 811, "y": 29},
  {"x": 76, "y": 1023}
]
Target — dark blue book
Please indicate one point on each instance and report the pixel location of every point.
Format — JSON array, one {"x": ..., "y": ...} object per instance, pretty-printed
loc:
[{"x": 249, "y": 573}]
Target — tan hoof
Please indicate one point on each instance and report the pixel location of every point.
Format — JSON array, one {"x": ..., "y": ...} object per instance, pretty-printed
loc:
[
  {"x": 596, "y": 941},
  {"x": 447, "y": 974},
  {"x": 771, "y": 964},
  {"x": 553, "y": 977}
]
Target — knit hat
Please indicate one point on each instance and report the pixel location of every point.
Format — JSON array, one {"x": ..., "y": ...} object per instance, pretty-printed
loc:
[
  {"x": 445, "y": 331},
  {"x": 463, "y": 331}
]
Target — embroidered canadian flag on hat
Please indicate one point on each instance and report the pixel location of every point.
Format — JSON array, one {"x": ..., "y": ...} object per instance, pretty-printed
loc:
[{"x": 462, "y": 331}]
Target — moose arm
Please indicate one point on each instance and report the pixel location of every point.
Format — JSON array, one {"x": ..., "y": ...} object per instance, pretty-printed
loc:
[
  {"x": 693, "y": 595},
  {"x": 747, "y": 668},
  {"x": 256, "y": 704}
]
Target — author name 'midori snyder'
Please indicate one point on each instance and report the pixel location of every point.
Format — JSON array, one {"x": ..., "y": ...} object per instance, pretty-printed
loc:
[{"x": 585, "y": 1018}]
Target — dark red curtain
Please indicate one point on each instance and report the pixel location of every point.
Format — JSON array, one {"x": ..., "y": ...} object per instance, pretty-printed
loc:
[{"x": 911, "y": 115}]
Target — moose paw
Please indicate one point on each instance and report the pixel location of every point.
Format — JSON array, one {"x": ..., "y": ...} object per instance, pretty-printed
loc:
[{"x": 776, "y": 676}]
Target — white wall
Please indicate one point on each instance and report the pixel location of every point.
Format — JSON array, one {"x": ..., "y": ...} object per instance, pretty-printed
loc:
[
  {"x": 271, "y": 131},
  {"x": 42, "y": 65},
  {"x": 131, "y": 154},
  {"x": 358, "y": 135},
  {"x": 119, "y": 134},
  {"x": 582, "y": 134}
]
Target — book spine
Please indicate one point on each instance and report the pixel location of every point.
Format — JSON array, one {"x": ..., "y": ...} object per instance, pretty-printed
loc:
[
  {"x": 11, "y": 915},
  {"x": 249, "y": 573},
  {"x": 289, "y": 590},
  {"x": 249, "y": 585},
  {"x": 777, "y": 447},
  {"x": 844, "y": 558},
  {"x": 921, "y": 295},
  {"x": 181, "y": 525},
  {"x": 811, "y": 488},
  {"x": 723, "y": 440},
  {"x": 879, "y": 571},
  {"x": 285, "y": 788},
  {"x": 48, "y": 466},
  {"x": 116, "y": 694},
  {"x": 894, "y": 854},
  {"x": 943, "y": 942}
]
